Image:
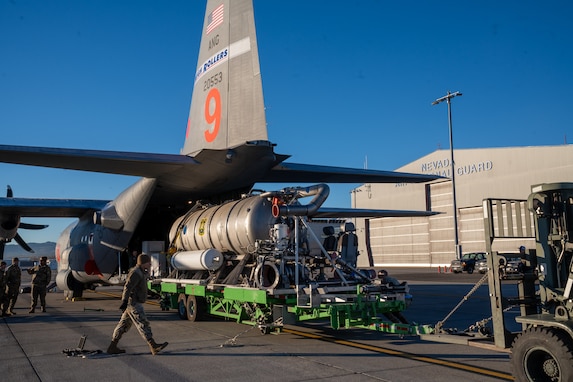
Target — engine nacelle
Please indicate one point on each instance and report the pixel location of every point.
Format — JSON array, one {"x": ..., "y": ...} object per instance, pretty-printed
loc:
[{"x": 65, "y": 280}]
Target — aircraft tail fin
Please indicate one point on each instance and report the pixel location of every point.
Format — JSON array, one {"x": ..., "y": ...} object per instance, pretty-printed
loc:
[{"x": 227, "y": 107}]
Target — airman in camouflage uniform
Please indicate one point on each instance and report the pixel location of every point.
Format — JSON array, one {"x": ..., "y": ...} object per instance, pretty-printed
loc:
[
  {"x": 41, "y": 277},
  {"x": 2, "y": 284},
  {"x": 133, "y": 298},
  {"x": 13, "y": 280}
]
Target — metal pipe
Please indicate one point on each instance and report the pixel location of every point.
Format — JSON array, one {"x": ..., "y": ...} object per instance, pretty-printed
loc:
[
  {"x": 320, "y": 191},
  {"x": 296, "y": 258}
]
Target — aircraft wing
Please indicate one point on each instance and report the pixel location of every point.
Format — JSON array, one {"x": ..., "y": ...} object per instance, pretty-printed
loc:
[
  {"x": 112, "y": 162},
  {"x": 59, "y": 208},
  {"x": 306, "y": 173},
  {"x": 202, "y": 175},
  {"x": 366, "y": 213},
  {"x": 154, "y": 165}
]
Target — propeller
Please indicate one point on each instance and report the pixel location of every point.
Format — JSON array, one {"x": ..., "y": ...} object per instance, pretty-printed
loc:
[{"x": 17, "y": 237}]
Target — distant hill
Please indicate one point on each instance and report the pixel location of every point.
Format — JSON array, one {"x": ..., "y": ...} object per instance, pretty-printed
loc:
[{"x": 40, "y": 249}]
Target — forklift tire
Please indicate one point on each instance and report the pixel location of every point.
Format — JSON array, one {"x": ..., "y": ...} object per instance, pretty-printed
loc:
[
  {"x": 470, "y": 270},
  {"x": 542, "y": 354}
]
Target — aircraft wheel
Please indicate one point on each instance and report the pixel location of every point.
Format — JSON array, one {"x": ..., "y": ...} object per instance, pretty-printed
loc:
[
  {"x": 182, "y": 306},
  {"x": 192, "y": 308},
  {"x": 542, "y": 354}
]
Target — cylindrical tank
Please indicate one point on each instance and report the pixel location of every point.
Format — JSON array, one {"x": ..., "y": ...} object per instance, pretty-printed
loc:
[
  {"x": 233, "y": 226},
  {"x": 207, "y": 260}
]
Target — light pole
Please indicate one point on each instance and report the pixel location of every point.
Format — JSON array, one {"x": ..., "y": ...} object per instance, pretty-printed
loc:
[{"x": 448, "y": 98}]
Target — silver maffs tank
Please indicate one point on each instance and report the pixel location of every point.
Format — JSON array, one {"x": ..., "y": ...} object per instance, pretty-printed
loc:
[{"x": 230, "y": 227}]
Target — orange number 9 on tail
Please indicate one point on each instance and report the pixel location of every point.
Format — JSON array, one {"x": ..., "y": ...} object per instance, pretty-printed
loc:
[{"x": 215, "y": 116}]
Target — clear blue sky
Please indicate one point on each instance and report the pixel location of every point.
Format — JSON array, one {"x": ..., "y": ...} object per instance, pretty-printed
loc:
[{"x": 343, "y": 80}]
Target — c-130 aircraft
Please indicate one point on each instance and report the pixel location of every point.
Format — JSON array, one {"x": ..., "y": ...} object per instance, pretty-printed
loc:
[{"x": 226, "y": 151}]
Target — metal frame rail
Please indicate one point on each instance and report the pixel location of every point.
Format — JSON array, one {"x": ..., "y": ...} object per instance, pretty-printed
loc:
[{"x": 507, "y": 219}]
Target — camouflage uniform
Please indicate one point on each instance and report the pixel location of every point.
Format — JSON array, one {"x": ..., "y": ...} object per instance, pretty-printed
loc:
[
  {"x": 42, "y": 275},
  {"x": 134, "y": 294},
  {"x": 2, "y": 284},
  {"x": 13, "y": 280},
  {"x": 133, "y": 298}
]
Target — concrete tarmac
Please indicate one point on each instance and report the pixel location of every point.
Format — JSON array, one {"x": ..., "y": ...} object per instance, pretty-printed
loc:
[{"x": 31, "y": 345}]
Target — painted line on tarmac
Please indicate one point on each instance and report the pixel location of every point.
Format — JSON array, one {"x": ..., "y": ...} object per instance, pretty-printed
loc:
[
  {"x": 379, "y": 349},
  {"x": 397, "y": 353}
]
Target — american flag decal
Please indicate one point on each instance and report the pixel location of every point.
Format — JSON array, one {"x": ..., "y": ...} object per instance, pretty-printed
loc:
[{"x": 215, "y": 18}]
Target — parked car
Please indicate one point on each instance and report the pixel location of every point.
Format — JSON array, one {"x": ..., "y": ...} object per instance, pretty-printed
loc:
[
  {"x": 481, "y": 266},
  {"x": 467, "y": 262},
  {"x": 512, "y": 261}
]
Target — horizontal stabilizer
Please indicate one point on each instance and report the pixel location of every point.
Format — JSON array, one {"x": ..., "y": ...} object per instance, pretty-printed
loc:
[
  {"x": 112, "y": 162},
  {"x": 306, "y": 173},
  {"x": 32, "y": 226},
  {"x": 30, "y": 207},
  {"x": 367, "y": 213}
]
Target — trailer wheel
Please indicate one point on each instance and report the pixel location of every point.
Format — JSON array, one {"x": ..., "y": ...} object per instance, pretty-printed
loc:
[
  {"x": 182, "y": 306},
  {"x": 542, "y": 354},
  {"x": 192, "y": 308}
]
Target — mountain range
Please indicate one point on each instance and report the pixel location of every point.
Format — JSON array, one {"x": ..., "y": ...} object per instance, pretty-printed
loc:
[{"x": 40, "y": 249}]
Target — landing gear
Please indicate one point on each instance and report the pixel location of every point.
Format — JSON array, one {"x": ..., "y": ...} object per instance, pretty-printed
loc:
[{"x": 542, "y": 355}]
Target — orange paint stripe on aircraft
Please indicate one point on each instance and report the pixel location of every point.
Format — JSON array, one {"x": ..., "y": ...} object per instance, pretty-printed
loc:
[{"x": 188, "y": 128}]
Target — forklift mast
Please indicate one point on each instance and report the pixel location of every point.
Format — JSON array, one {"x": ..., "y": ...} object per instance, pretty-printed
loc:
[{"x": 547, "y": 268}]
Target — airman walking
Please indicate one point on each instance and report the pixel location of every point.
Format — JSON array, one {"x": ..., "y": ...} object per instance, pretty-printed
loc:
[{"x": 133, "y": 298}]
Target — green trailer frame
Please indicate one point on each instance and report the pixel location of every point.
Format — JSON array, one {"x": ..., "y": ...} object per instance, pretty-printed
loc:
[{"x": 270, "y": 309}]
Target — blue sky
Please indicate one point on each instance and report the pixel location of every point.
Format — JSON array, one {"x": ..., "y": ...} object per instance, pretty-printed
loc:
[{"x": 343, "y": 81}]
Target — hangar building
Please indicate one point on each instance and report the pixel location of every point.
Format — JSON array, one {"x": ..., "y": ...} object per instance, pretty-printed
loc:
[{"x": 499, "y": 173}]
